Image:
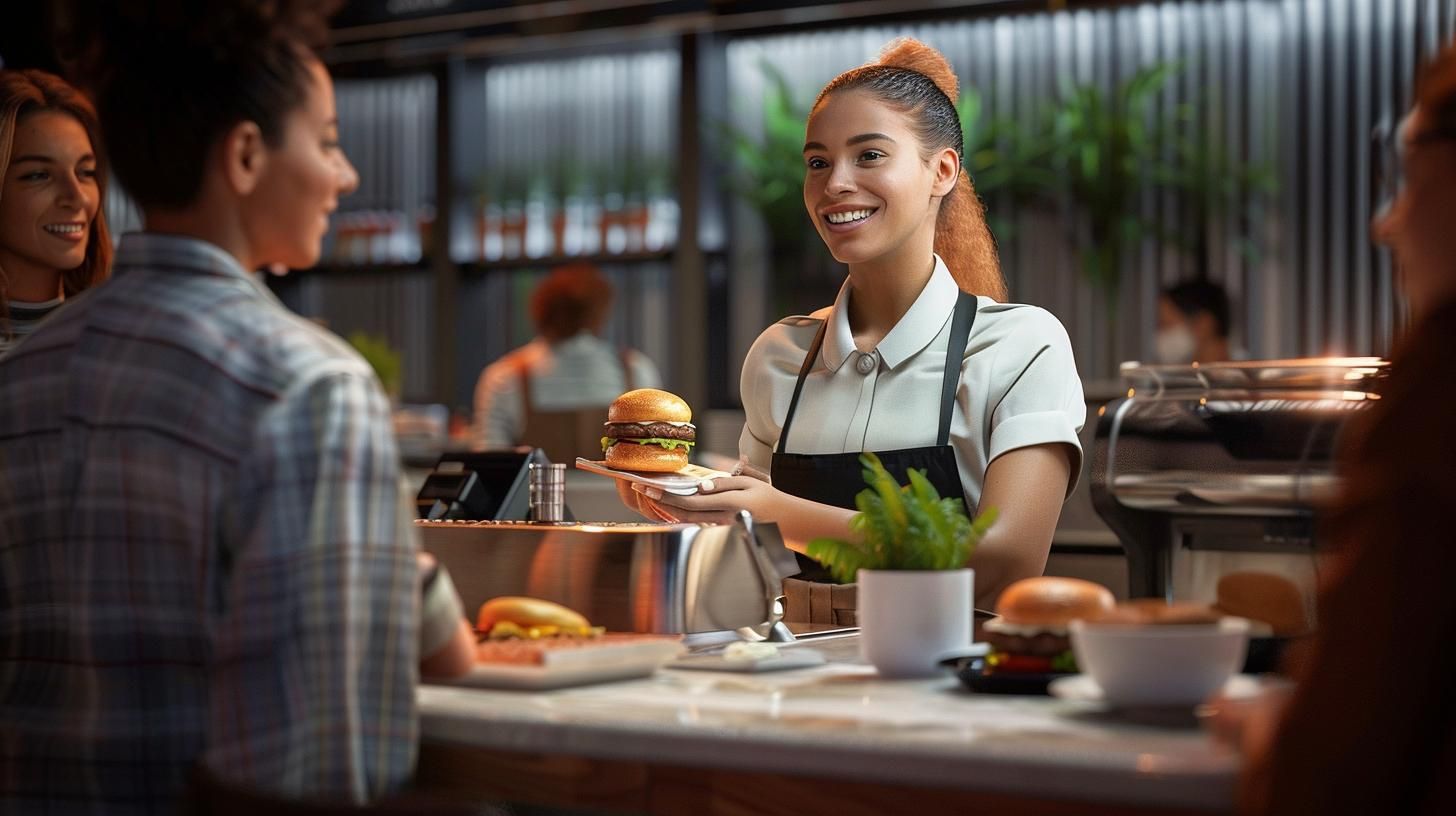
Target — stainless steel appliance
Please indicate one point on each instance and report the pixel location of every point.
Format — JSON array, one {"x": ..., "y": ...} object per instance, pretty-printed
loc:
[
  {"x": 1203, "y": 470},
  {"x": 628, "y": 577}
]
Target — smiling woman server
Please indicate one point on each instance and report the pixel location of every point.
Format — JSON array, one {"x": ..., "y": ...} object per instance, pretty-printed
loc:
[{"x": 917, "y": 360}]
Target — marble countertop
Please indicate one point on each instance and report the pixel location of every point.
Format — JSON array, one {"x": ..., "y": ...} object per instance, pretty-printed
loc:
[{"x": 841, "y": 720}]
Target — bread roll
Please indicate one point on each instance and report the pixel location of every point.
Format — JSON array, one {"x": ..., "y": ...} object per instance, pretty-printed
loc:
[{"x": 1263, "y": 596}]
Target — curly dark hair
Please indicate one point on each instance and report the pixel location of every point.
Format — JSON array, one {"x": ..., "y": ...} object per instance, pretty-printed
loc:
[
  {"x": 1203, "y": 297},
  {"x": 171, "y": 77}
]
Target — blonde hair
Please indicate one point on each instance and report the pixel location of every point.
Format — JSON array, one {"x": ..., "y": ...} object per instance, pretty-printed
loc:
[{"x": 917, "y": 80}]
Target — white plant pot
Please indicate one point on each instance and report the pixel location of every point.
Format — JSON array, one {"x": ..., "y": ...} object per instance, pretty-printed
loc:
[{"x": 908, "y": 618}]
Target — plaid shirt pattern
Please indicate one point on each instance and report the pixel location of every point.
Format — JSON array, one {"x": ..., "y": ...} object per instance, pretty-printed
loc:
[{"x": 203, "y": 555}]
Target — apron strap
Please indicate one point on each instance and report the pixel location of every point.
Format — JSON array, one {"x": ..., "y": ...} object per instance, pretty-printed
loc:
[
  {"x": 799, "y": 386},
  {"x": 960, "y": 334},
  {"x": 955, "y": 351}
]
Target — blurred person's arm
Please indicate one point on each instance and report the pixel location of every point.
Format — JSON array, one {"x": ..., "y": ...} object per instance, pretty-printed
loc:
[
  {"x": 315, "y": 647},
  {"x": 447, "y": 642},
  {"x": 499, "y": 414}
]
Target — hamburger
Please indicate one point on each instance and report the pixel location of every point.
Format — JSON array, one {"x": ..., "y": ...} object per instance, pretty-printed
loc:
[
  {"x": 512, "y": 617},
  {"x": 533, "y": 632},
  {"x": 649, "y": 430},
  {"x": 1029, "y": 633}
]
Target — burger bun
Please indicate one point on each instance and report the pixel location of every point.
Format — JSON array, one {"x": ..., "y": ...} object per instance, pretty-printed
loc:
[
  {"x": 651, "y": 458},
  {"x": 1264, "y": 597},
  {"x": 1053, "y": 602},
  {"x": 649, "y": 405}
]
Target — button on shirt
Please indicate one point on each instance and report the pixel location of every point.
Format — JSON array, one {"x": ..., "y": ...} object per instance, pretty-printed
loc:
[
  {"x": 1018, "y": 385},
  {"x": 584, "y": 371},
  {"x": 202, "y": 549}
]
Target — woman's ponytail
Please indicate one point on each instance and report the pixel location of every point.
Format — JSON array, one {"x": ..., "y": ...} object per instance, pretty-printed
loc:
[{"x": 964, "y": 242}]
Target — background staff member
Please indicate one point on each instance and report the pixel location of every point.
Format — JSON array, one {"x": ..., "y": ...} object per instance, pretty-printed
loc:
[
  {"x": 1193, "y": 324},
  {"x": 917, "y": 359},
  {"x": 553, "y": 392}
]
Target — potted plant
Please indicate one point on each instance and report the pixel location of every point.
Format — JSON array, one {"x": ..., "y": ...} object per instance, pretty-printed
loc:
[
  {"x": 382, "y": 357},
  {"x": 915, "y": 590}
]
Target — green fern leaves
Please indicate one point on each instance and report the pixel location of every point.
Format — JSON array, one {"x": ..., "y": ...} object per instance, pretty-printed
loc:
[{"x": 907, "y": 527}]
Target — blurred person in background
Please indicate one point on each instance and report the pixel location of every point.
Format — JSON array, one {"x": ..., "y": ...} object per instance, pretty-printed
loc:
[
  {"x": 1193, "y": 324},
  {"x": 53, "y": 238},
  {"x": 553, "y": 392},
  {"x": 1370, "y": 726},
  {"x": 207, "y": 564}
]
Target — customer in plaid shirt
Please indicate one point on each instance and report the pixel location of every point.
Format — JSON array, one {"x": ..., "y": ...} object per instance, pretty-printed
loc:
[{"x": 203, "y": 555}]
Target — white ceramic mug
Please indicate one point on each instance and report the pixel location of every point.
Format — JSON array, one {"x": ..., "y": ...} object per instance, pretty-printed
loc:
[{"x": 909, "y": 618}]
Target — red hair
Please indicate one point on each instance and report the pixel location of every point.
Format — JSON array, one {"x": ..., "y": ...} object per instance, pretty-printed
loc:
[
  {"x": 572, "y": 299},
  {"x": 917, "y": 80}
]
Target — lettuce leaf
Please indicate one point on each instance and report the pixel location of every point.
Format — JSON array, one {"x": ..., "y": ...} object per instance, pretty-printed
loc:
[{"x": 667, "y": 444}]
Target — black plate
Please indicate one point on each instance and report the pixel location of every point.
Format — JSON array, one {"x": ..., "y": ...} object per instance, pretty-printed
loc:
[{"x": 974, "y": 675}]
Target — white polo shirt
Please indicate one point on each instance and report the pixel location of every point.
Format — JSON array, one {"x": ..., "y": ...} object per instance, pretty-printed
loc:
[{"x": 1018, "y": 385}]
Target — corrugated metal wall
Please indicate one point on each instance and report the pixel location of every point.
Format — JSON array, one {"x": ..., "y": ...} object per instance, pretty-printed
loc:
[{"x": 1298, "y": 85}]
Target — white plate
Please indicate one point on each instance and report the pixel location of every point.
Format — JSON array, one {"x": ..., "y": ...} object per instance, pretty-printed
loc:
[
  {"x": 1082, "y": 688},
  {"x": 787, "y": 659},
  {"x": 581, "y": 667},
  {"x": 683, "y": 482}
]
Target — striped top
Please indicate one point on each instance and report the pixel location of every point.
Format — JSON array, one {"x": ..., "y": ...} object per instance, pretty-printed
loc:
[
  {"x": 203, "y": 553},
  {"x": 21, "y": 319}
]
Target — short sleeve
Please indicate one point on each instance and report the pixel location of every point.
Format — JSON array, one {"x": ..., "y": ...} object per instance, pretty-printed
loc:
[
  {"x": 756, "y": 386},
  {"x": 1037, "y": 394}
]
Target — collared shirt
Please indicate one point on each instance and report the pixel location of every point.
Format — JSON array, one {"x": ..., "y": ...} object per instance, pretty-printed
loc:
[
  {"x": 202, "y": 551},
  {"x": 1018, "y": 385},
  {"x": 584, "y": 371},
  {"x": 21, "y": 319}
]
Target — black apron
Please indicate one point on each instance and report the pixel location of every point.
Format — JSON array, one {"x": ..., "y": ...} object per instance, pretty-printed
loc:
[{"x": 836, "y": 478}]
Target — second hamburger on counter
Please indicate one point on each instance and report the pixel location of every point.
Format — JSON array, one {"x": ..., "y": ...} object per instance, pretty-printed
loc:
[
  {"x": 1029, "y": 635},
  {"x": 649, "y": 430}
]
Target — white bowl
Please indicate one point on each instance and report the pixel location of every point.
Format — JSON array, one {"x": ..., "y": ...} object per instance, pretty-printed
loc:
[{"x": 1150, "y": 665}]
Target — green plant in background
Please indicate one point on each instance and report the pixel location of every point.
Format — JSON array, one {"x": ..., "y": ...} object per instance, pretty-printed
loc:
[
  {"x": 1091, "y": 154},
  {"x": 381, "y": 357},
  {"x": 906, "y": 527},
  {"x": 1104, "y": 146},
  {"x": 1210, "y": 184},
  {"x": 1109, "y": 149},
  {"x": 1004, "y": 160},
  {"x": 770, "y": 173}
]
